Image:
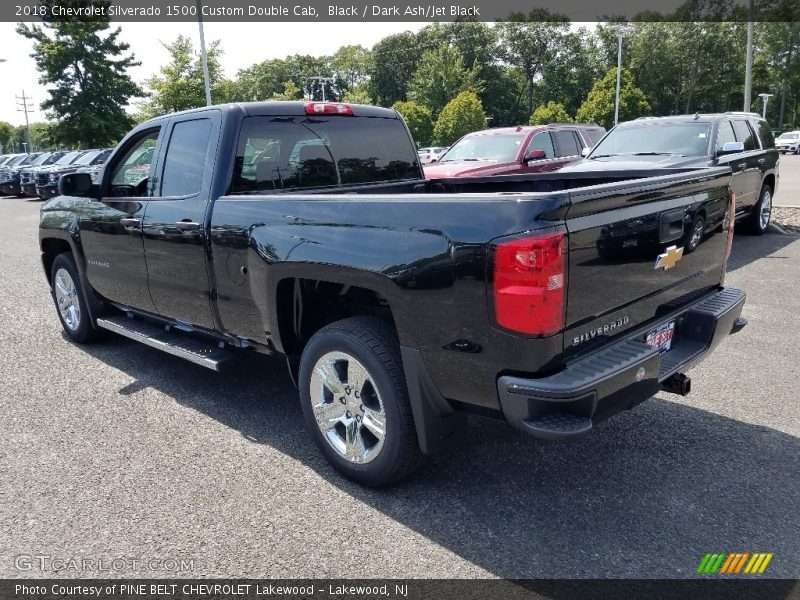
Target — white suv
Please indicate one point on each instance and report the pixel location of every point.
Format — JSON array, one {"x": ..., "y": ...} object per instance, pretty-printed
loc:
[{"x": 788, "y": 142}]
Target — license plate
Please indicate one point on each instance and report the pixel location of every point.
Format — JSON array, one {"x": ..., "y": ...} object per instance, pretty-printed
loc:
[{"x": 661, "y": 337}]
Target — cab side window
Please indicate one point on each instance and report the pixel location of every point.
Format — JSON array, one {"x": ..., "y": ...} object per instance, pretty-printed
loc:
[
  {"x": 130, "y": 175},
  {"x": 724, "y": 135},
  {"x": 745, "y": 135},
  {"x": 541, "y": 141},
  {"x": 186, "y": 158}
]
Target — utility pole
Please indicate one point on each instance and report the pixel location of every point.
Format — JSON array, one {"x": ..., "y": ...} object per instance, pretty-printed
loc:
[
  {"x": 203, "y": 56},
  {"x": 620, "y": 30},
  {"x": 319, "y": 78},
  {"x": 748, "y": 65},
  {"x": 22, "y": 101}
]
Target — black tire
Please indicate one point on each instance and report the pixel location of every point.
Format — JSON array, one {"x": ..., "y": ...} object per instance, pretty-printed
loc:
[
  {"x": 695, "y": 235},
  {"x": 755, "y": 224},
  {"x": 80, "y": 330},
  {"x": 370, "y": 343}
]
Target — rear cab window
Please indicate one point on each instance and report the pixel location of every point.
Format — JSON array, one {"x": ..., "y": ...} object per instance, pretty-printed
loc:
[{"x": 302, "y": 152}]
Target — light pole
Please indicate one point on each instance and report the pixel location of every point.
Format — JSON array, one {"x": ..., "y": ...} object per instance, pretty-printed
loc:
[
  {"x": 748, "y": 63},
  {"x": 620, "y": 30},
  {"x": 203, "y": 57},
  {"x": 765, "y": 98}
]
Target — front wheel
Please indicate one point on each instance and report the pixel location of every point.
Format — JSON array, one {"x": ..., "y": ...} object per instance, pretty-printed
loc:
[
  {"x": 762, "y": 212},
  {"x": 355, "y": 401},
  {"x": 70, "y": 301}
]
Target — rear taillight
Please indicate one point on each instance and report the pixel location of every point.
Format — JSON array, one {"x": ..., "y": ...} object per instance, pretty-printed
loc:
[
  {"x": 731, "y": 222},
  {"x": 328, "y": 108},
  {"x": 529, "y": 279}
]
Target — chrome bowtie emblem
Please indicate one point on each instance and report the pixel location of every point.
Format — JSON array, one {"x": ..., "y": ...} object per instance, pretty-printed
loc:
[{"x": 670, "y": 258}]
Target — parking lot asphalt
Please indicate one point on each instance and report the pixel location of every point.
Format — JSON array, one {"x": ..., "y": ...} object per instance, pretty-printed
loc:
[{"x": 117, "y": 450}]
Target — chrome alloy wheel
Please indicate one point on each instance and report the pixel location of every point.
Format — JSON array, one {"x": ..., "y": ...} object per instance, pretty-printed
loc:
[
  {"x": 67, "y": 299},
  {"x": 697, "y": 234},
  {"x": 766, "y": 209},
  {"x": 348, "y": 407}
]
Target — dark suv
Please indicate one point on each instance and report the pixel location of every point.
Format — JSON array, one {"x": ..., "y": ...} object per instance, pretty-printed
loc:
[
  {"x": 515, "y": 150},
  {"x": 742, "y": 141}
]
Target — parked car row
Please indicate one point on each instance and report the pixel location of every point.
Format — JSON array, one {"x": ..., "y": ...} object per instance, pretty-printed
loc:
[
  {"x": 37, "y": 174},
  {"x": 742, "y": 141}
]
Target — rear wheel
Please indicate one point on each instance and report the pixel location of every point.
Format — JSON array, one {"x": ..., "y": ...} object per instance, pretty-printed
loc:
[
  {"x": 355, "y": 401},
  {"x": 762, "y": 212},
  {"x": 70, "y": 302}
]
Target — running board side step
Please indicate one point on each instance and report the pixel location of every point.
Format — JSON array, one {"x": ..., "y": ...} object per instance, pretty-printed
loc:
[{"x": 205, "y": 354}]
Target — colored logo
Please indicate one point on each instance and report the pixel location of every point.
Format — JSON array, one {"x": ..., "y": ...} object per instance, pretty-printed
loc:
[
  {"x": 734, "y": 563},
  {"x": 670, "y": 258}
]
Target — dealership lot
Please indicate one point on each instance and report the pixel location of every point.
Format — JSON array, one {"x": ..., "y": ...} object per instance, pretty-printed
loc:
[{"x": 118, "y": 451}]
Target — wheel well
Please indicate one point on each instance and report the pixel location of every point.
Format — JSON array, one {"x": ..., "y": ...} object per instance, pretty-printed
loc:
[
  {"x": 51, "y": 248},
  {"x": 316, "y": 303},
  {"x": 770, "y": 181}
]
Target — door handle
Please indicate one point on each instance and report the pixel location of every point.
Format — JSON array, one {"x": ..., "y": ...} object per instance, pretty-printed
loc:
[
  {"x": 128, "y": 222},
  {"x": 187, "y": 225},
  {"x": 761, "y": 161},
  {"x": 742, "y": 166}
]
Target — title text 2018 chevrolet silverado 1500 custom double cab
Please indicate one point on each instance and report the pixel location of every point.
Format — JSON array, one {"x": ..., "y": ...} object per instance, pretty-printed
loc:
[{"x": 402, "y": 304}]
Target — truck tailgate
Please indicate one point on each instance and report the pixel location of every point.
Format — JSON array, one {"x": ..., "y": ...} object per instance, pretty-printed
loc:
[{"x": 628, "y": 251}]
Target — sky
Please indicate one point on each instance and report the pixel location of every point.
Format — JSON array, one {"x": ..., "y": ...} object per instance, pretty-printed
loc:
[{"x": 243, "y": 43}]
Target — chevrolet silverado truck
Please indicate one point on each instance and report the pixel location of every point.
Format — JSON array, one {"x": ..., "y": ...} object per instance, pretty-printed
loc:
[
  {"x": 739, "y": 140},
  {"x": 400, "y": 304}
]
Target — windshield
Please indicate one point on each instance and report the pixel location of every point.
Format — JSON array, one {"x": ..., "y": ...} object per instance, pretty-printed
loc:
[
  {"x": 682, "y": 139},
  {"x": 789, "y": 136},
  {"x": 41, "y": 160},
  {"x": 68, "y": 158},
  {"x": 29, "y": 158},
  {"x": 15, "y": 161},
  {"x": 485, "y": 147},
  {"x": 87, "y": 158}
]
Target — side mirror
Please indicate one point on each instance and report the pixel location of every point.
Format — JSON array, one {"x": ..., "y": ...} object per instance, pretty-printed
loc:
[
  {"x": 585, "y": 152},
  {"x": 731, "y": 148},
  {"x": 535, "y": 155},
  {"x": 75, "y": 184}
]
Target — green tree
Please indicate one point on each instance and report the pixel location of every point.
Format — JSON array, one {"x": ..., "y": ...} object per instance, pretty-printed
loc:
[
  {"x": 43, "y": 137},
  {"x": 532, "y": 46},
  {"x": 179, "y": 85},
  {"x": 440, "y": 77},
  {"x": 419, "y": 121},
  {"x": 290, "y": 92},
  {"x": 552, "y": 112},
  {"x": 357, "y": 95},
  {"x": 463, "y": 114},
  {"x": 6, "y": 131},
  {"x": 394, "y": 59},
  {"x": 599, "y": 104},
  {"x": 85, "y": 68},
  {"x": 575, "y": 65},
  {"x": 776, "y": 69},
  {"x": 351, "y": 66}
]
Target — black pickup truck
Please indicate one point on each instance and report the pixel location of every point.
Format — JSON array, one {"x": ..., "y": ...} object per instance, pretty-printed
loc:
[
  {"x": 401, "y": 304},
  {"x": 739, "y": 140}
]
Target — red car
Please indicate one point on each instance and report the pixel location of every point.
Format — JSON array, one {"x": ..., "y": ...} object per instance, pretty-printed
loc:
[{"x": 515, "y": 150}]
